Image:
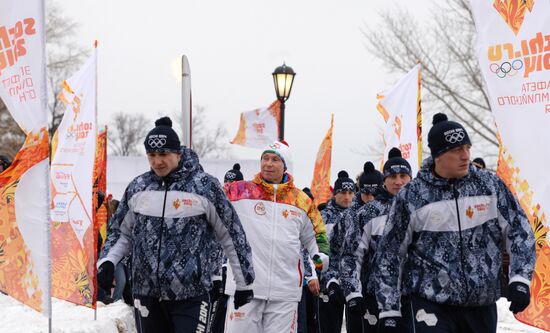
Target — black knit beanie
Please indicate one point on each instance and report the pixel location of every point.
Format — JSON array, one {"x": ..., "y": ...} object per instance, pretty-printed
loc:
[
  {"x": 396, "y": 164},
  {"x": 344, "y": 183},
  {"x": 162, "y": 138},
  {"x": 445, "y": 135},
  {"x": 479, "y": 163},
  {"x": 234, "y": 174},
  {"x": 371, "y": 180}
]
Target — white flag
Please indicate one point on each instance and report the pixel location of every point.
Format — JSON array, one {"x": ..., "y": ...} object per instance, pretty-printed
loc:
[
  {"x": 259, "y": 128},
  {"x": 400, "y": 107},
  {"x": 73, "y": 160}
]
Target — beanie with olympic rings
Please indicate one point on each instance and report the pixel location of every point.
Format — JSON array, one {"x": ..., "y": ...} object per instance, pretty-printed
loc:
[
  {"x": 162, "y": 138},
  {"x": 445, "y": 135}
]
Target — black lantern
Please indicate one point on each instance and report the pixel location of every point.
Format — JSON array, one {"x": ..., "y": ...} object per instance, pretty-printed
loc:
[{"x": 283, "y": 78}]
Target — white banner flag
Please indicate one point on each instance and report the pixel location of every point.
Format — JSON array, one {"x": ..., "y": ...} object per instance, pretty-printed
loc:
[
  {"x": 73, "y": 160},
  {"x": 22, "y": 62},
  {"x": 513, "y": 48},
  {"x": 400, "y": 107},
  {"x": 259, "y": 128},
  {"x": 24, "y": 187}
]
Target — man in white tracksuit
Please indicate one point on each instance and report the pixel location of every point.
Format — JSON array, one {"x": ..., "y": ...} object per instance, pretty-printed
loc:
[{"x": 278, "y": 219}]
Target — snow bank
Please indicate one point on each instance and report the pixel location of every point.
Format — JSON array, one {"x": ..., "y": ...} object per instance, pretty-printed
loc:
[
  {"x": 67, "y": 317},
  {"x": 118, "y": 317}
]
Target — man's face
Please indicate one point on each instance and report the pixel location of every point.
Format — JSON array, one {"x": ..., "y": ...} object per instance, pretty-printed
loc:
[
  {"x": 163, "y": 163},
  {"x": 344, "y": 198},
  {"x": 367, "y": 197},
  {"x": 272, "y": 168},
  {"x": 394, "y": 182},
  {"x": 453, "y": 163}
]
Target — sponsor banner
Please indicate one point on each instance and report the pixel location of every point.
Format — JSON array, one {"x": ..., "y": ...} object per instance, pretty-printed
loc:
[
  {"x": 400, "y": 107},
  {"x": 74, "y": 238},
  {"x": 513, "y": 48},
  {"x": 24, "y": 187},
  {"x": 259, "y": 128}
]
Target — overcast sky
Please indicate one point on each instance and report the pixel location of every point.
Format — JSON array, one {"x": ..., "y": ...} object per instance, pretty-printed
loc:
[{"x": 233, "y": 47}]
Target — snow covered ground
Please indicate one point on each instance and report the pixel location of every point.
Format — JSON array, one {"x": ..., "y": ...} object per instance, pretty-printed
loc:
[
  {"x": 118, "y": 317},
  {"x": 67, "y": 317}
]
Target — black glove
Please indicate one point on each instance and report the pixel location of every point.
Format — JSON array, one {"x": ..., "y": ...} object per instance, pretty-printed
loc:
[
  {"x": 335, "y": 294},
  {"x": 217, "y": 290},
  {"x": 242, "y": 297},
  {"x": 356, "y": 307},
  {"x": 106, "y": 275},
  {"x": 518, "y": 294},
  {"x": 390, "y": 325}
]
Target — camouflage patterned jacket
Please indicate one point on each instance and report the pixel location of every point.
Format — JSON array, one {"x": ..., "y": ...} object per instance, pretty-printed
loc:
[
  {"x": 357, "y": 265},
  {"x": 333, "y": 216},
  {"x": 172, "y": 226},
  {"x": 452, "y": 233}
]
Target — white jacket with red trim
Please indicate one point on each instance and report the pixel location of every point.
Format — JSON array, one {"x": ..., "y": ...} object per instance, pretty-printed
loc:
[{"x": 277, "y": 219}]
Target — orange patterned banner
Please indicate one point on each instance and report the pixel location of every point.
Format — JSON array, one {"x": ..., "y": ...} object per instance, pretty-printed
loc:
[
  {"x": 320, "y": 185},
  {"x": 538, "y": 312},
  {"x": 513, "y": 58},
  {"x": 513, "y": 12},
  {"x": 18, "y": 276},
  {"x": 100, "y": 183}
]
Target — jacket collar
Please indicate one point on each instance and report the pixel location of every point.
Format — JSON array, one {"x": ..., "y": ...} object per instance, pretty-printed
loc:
[
  {"x": 189, "y": 163},
  {"x": 269, "y": 188},
  {"x": 334, "y": 206}
]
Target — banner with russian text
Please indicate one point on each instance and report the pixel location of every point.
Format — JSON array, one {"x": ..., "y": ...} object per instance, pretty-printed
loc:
[
  {"x": 320, "y": 185},
  {"x": 401, "y": 109},
  {"x": 259, "y": 128},
  {"x": 513, "y": 48},
  {"x": 72, "y": 177},
  {"x": 24, "y": 187}
]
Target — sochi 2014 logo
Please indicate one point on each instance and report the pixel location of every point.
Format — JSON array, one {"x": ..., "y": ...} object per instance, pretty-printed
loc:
[{"x": 259, "y": 208}]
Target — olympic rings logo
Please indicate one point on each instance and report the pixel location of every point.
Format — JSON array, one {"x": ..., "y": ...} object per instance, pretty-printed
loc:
[
  {"x": 455, "y": 137},
  {"x": 350, "y": 187},
  {"x": 507, "y": 68},
  {"x": 156, "y": 142}
]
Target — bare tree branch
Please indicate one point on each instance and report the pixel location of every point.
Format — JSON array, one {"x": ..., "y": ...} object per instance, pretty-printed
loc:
[
  {"x": 450, "y": 71},
  {"x": 126, "y": 134},
  {"x": 207, "y": 142},
  {"x": 11, "y": 136}
]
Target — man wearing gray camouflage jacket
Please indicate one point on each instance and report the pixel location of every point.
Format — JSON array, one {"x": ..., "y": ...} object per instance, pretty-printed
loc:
[
  {"x": 441, "y": 244},
  {"x": 172, "y": 219}
]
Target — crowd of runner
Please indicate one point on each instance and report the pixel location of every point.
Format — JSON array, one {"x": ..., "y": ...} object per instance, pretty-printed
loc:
[{"x": 391, "y": 251}]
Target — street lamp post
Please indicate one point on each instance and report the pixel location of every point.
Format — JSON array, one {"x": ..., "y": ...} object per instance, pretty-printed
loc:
[{"x": 283, "y": 78}]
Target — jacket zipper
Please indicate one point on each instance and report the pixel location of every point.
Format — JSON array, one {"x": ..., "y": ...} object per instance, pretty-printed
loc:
[
  {"x": 160, "y": 237},
  {"x": 455, "y": 194},
  {"x": 273, "y": 231}
]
